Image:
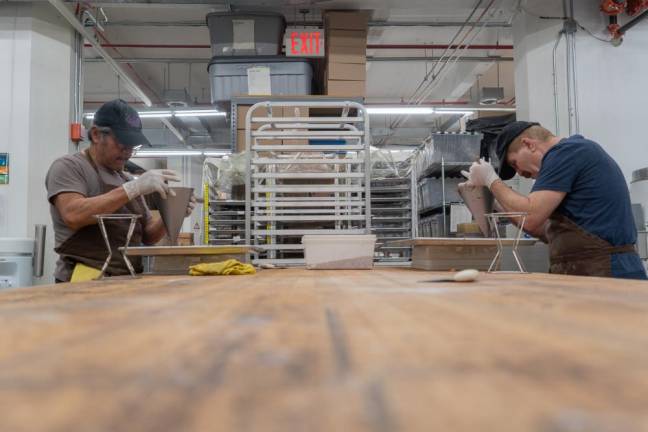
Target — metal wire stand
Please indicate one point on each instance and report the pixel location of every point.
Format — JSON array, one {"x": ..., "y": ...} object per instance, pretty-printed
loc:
[
  {"x": 133, "y": 219},
  {"x": 493, "y": 219}
]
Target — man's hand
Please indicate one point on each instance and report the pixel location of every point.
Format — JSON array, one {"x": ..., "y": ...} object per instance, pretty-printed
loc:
[
  {"x": 191, "y": 206},
  {"x": 481, "y": 173},
  {"x": 151, "y": 181}
]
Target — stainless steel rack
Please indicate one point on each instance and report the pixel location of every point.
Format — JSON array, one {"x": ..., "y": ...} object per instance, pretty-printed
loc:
[{"x": 317, "y": 182}]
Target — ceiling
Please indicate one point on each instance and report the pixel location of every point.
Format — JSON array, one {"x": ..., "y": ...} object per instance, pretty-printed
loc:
[{"x": 390, "y": 78}]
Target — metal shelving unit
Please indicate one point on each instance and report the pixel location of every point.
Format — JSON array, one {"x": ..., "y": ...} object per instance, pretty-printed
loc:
[
  {"x": 443, "y": 157},
  {"x": 317, "y": 183},
  {"x": 226, "y": 222}
]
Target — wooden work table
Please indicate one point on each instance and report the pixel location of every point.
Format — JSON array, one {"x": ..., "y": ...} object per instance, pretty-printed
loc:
[{"x": 299, "y": 350}]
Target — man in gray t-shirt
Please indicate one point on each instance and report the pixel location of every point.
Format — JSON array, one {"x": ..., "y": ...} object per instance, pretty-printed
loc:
[{"x": 92, "y": 182}]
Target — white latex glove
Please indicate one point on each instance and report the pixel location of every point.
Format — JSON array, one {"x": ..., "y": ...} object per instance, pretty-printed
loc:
[
  {"x": 151, "y": 181},
  {"x": 481, "y": 173},
  {"x": 191, "y": 206}
]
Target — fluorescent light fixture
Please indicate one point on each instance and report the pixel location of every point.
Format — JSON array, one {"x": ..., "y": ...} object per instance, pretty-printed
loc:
[
  {"x": 216, "y": 152},
  {"x": 170, "y": 113},
  {"x": 155, "y": 114},
  {"x": 199, "y": 113},
  {"x": 149, "y": 153},
  {"x": 453, "y": 112},
  {"x": 404, "y": 110},
  {"x": 165, "y": 153}
]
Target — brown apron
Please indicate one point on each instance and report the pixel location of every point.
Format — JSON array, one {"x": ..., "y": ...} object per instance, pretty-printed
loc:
[
  {"x": 574, "y": 251},
  {"x": 87, "y": 245}
]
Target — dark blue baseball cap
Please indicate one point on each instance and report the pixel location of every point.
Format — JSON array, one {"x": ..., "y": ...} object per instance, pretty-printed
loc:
[
  {"x": 504, "y": 140},
  {"x": 123, "y": 121}
]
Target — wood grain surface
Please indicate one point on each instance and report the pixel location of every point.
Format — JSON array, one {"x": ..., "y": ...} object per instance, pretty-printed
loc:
[{"x": 299, "y": 350}]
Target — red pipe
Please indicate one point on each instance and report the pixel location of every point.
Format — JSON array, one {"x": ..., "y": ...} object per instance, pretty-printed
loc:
[
  {"x": 370, "y": 46},
  {"x": 151, "y": 46}
]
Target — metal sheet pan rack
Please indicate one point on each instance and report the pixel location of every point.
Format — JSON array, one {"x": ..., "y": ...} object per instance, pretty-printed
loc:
[
  {"x": 391, "y": 211},
  {"x": 312, "y": 178}
]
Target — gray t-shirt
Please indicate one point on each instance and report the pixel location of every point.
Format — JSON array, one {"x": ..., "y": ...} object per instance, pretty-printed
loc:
[{"x": 74, "y": 173}]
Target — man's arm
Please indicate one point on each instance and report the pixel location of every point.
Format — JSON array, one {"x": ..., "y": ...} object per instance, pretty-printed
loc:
[
  {"x": 78, "y": 211},
  {"x": 154, "y": 230},
  {"x": 538, "y": 205}
]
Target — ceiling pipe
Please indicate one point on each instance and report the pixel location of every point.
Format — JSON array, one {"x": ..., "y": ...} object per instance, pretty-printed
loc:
[
  {"x": 624, "y": 28},
  {"x": 485, "y": 59},
  {"x": 377, "y": 24},
  {"x": 440, "y": 46},
  {"x": 70, "y": 18},
  {"x": 369, "y": 46},
  {"x": 134, "y": 89}
]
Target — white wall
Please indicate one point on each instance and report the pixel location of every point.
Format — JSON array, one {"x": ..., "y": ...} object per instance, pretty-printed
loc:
[
  {"x": 35, "y": 71},
  {"x": 613, "y": 89},
  {"x": 611, "y": 81}
]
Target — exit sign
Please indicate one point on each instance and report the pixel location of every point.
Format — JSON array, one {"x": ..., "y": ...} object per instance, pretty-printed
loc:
[{"x": 304, "y": 42}]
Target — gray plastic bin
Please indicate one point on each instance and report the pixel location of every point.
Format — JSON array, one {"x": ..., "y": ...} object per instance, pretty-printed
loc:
[
  {"x": 246, "y": 34},
  {"x": 288, "y": 76}
]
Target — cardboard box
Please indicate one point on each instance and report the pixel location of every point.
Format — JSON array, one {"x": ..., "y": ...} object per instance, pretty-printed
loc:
[
  {"x": 346, "y": 71},
  {"x": 240, "y": 141},
  {"x": 345, "y": 88},
  {"x": 242, "y": 110},
  {"x": 349, "y": 20},
  {"x": 353, "y": 38},
  {"x": 298, "y": 111},
  {"x": 347, "y": 54}
]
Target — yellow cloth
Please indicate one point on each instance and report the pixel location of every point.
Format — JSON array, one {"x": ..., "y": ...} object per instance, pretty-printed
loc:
[
  {"x": 228, "y": 267},
  {"x": 84, "y": 273}
]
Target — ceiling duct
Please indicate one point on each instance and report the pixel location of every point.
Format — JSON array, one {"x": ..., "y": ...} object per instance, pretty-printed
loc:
[
  {"x": 491, "y": 95},
  {"x": 177, "y": 98}
]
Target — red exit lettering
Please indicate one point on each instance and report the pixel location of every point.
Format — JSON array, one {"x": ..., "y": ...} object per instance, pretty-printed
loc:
[{"x": 305, "y": 43}]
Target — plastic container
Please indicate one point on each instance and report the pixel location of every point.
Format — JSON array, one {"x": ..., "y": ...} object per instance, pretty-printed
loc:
[
  {"x": 16, "y": 255},
  {"x": 288, "y": 76},
  {"x": 246, "y": 34},
  {"x": 339, "y": 252}
]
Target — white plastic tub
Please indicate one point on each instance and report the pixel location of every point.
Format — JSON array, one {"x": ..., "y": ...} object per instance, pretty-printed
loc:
[{"x": 341, "y": 252}]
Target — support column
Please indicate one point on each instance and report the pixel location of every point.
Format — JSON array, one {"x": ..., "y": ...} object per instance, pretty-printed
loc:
[{"x": 36, "y": 46}]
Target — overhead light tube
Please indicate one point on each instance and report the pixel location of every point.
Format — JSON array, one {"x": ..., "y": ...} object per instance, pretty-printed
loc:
[
  {"x": 171, "y": 113},
  {"x": 148, "y": 153},
  {"x": 453, "y": 112},
  {"x": 401, "y": 110}
]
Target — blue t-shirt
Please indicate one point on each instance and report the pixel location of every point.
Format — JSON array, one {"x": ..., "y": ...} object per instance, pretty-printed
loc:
[{"x": 597, "y": 197}]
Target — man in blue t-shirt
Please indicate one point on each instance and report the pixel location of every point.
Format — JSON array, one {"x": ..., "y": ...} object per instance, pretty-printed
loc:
[{"x": 579, "y": 204}]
